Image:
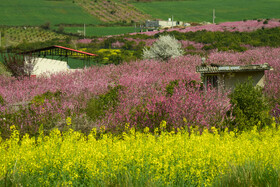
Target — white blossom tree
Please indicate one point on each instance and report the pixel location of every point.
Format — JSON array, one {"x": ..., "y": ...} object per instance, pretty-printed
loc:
[{"x": 164, "y": 48}]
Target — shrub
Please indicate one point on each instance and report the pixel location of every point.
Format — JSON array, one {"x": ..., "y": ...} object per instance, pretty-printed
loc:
[
  {"x": 46, "y": 26},
  {"x": 190, "y": 47},
  {"x": 27, "y": 117},
  {"x": 248, "y": 107},
  {"x": 40, "y": 99},
  {"x": 170, "y": 87},
  {"x": 97, "y": 106},
  {"x": 18, "y": 65},
  {"x": 2, "y": 101},
  {"x": 60, "y": 29},
  {"x": 164, "y": 48}
]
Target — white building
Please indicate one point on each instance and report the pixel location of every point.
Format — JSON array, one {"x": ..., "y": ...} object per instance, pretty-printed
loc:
[
  {"x": 48, "y": 66},
  {"x": 49, "y": 60},
  {"x": 157, "y": 24}
]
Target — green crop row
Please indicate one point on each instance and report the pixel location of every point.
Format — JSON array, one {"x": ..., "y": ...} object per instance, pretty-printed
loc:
[{"x": 101, "y": 31}]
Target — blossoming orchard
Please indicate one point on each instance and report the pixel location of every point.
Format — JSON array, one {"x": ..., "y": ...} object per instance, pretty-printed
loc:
[{"x": 143, "y": 121}]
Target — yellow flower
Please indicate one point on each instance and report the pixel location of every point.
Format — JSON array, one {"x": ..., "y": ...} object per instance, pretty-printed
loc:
[{"x": 68, "y": 121}]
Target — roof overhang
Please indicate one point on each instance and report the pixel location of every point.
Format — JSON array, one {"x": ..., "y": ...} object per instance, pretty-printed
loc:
[
  {"x": 55, "y": 50},
  {"x": 232, "y": 68}
]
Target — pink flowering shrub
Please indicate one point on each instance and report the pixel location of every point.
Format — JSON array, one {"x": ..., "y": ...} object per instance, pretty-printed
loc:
[
  {"x": 188, "y": 106},
  {"x": 143, "y": 101},
  {"x": 241, "y": 26}
]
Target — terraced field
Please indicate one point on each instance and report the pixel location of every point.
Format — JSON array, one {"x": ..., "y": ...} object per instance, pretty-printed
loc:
[
  {"x": 16, "y": 35},
  {"x": 113, "y": 11},
  {"x": 102, "y": 31}
]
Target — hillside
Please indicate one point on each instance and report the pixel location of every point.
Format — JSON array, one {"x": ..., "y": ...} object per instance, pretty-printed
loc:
[
  {"x": 38, "y": 12},
  {"x": 113, "y": 11},
  {"x": 95, "y": 12},
  {"x": 201, "y": 10},
  {"x": 14, "y": 35}
]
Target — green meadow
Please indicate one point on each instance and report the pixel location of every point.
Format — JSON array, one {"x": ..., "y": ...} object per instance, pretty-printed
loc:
[
  {"x": 102, "y": 31},
  {"x": 201, "y": 10},
  {"x": 38, "y": 12}
]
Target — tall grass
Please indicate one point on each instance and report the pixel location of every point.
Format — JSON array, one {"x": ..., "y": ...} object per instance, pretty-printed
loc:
[{"x": 250, "y": 174}]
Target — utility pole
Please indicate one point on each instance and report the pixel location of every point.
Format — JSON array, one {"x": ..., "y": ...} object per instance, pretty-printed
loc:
[
  {"x": 172, "y": 22},
  {"x": 84, "y": 31},
  {"x": 214, "y": 16}
]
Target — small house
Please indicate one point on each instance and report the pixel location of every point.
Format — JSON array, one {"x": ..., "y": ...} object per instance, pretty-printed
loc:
[
  {"x": 55, "y": 59},
  {"x": 227, "y": 76},
  {"x": 157, "y": 24}
]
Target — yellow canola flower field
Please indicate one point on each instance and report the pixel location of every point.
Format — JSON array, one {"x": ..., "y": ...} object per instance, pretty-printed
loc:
[{"x": 133, "y": 159}]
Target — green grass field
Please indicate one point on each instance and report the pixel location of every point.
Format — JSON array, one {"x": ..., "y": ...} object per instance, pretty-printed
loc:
[
  {"x": 37, "y": 12},
  {"x": 201, "y": 10},
  {"x": 102, "y": 31}
]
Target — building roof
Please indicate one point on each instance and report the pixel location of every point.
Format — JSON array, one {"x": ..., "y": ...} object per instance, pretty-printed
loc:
[
  {"x": 232, "y": 68},
  {"x": 47, "y": 49}
]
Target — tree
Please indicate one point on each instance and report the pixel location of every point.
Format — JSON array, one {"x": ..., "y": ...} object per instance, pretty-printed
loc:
[
  {"x": 46, "y": 26},
  {"x": 19, "y": 65},
  {"x": 60, "y": 29},
  {"x": 249, "y": 107},
  {"x": 164, "y": 48}
]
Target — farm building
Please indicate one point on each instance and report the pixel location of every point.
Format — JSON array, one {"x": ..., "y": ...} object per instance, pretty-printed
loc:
[
  {"x": 55, "y": 59},
  {"x": 157, "y": 24},
  {"x": 227, "y": 76}
]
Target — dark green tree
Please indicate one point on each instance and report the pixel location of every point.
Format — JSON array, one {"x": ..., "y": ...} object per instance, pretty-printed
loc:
[{"x": 249, "y": 107}]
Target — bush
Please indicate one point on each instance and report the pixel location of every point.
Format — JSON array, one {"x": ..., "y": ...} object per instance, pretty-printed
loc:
[
  {"x": 2, "y": 101},
  {"x": 60, "y": 29},
  {"x": 170, "y": 87},
  {"x": 19, "y": 65},
  {"x": 249, "y": 107},
  {"x": 46, "y": 26},
  {"x": 97, "y": 106},
  {"x": 28, "y": 116},
  {"x": 164, "y": 48},
  {"x": 40, "y": 99}
]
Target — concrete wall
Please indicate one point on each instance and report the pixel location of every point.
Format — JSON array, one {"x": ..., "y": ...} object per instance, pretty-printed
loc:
[
  {"x": 229, "y": 80},
  {"x": 152, "y": 24},
  {"x": 163, "y": 23},
  {"x": 44, "y": 65},
  {"x": 169, "y": 23}
]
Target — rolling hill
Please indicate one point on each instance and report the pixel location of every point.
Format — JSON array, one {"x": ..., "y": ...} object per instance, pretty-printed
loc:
[
  {"x": 38, "y": 12},
  {"x": 201, "y": 10},
  {"x": 115, "y": 13}
]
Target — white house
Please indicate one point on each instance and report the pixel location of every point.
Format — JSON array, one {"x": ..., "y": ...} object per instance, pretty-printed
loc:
[
  {"x": 48, "y": 66},
  {"x": 157, "y": 24}
]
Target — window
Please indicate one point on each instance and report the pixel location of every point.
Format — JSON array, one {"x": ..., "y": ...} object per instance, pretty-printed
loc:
[{"x": 212, "y": 80}]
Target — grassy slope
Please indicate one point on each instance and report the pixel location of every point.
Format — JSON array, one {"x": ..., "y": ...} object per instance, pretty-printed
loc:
[
  {"x": 37, "y": 12},
  {"x": 201, "y": 10},
  {"x": 102, "y": 31}
]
